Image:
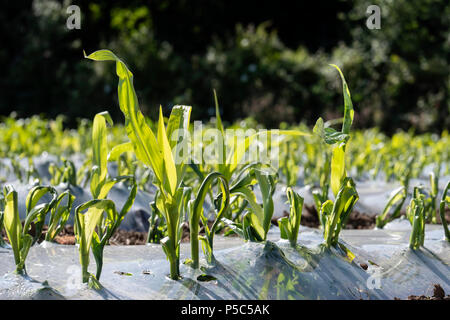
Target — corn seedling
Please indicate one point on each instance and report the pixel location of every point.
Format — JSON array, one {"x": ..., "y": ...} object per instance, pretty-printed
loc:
[
  {"x": 96, "y": 221},
  {"x": 20, "y": 242},
  {"x": 59, "y": 214},
  {"x": 36, "y": 213},
  {"x": 155, "y": 152},
  {"x": 66, "y": 173},
  {"x": 256, "y": 221},
  {"x": 92, "y": 227},
  {"x": 289, "y": 225},
  {"x": 321, "y": 195},
  {"x": 393, "y": 207},
  {"x": 445, "y": 200},
  {"x": 196, "y": 213},
  {"x": 333, "y": 215},
  {"x": 416, "y": 216},
  {"x": 430, "y": 208},
  {"x": 19, "y": 237}
]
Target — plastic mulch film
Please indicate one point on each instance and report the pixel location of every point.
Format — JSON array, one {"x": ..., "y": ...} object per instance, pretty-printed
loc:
[{"x": 369, "y": 264}]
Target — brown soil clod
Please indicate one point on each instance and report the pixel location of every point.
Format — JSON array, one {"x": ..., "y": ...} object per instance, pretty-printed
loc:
[
  {"x": 438, "y": 294},
  {"x": 438, "y": 291}
]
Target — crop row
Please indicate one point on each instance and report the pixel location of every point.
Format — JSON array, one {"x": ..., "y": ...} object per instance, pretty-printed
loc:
[{"x": 330, "y": 160}]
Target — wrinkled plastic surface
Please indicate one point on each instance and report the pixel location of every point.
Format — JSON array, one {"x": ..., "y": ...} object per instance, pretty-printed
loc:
[{"x": 242, "y": 270}]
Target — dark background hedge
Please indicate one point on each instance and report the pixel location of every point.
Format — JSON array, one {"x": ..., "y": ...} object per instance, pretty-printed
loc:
[{"x": 266, "y": 59}]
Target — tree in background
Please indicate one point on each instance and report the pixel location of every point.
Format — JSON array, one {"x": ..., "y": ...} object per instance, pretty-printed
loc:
[{"x": 269, "y": 63}]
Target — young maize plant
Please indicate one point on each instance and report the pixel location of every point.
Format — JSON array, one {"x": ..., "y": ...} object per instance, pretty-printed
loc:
[
  {"x": 64, "y": 174},
  {"x": 333, "y": 215},
  {"x": 156, "y": 153},
  {"x": 67, "y": 173},
  {"x": 289, "y": 225},
  {"x": 19, "y": 237},
  {"x": 93, "y": 228},
  {"x": 394, "y": 205},
  {"x": 256, "y": 221},
  {"x": 416, "y": 216},
  {"x": 222, "y": 202},
  {"x": 445, "y": 200},
  {"x": 59, "y": 214},
  {"x": 321, "y": 195},
  {"x": 36, "y": 213},
  {"x": 430, "y": 208}
]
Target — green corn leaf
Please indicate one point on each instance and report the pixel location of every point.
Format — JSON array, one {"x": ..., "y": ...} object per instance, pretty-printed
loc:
[
  {"x": 295, "y": 216},
  {"x": 12, "y": 222},
  {"x": 258, "y": 213},
  {"x": 267, "y": 186},
  {"x": 337, "y": 168},
  {"x": 415, "y": 212},
  {"x": 283, "y": 224},
  {"x": 170, "y": 171},
  {"x": 253, "y": 231},
  {"x": 196, "y": 210},
  {"x": 89, "y": 220},
  {"x": 130, "y": 200},
  {"x": 118, "y": 150},
  {"x": 223, "y": 167},
  {"x": 348, "y": 111},
  {"x": 36, "y": 193},
  {"x": 178, "y": 121},
  {"x": 100, "y": 151},
  {"x": 329, "y": 135},
  {"x": 27, "y": 241},
  {"x": 37, "y": 213},
  {"x": 342, "y": 206},
  {"x": 169, "y": 248},
  {"x": 396, "y": 200},
  {"x": 144, "y": 141},
  {"x": 236, "y": 227},
  {"x": 59, "y": 215}
]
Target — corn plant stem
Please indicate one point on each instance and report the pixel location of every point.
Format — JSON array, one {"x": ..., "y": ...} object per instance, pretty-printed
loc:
[
  {"x": 21, "y": 270},
  {"x": 196, "y": 212},
  {"x": 194, "y": 243},
  {"x": 84, "y": 260},
  {"x": 444, "y": 221},
  {"x": 331, "y": 228},
  {"x": 172, "y": 229},
  {"x": 99, "y": 262}
]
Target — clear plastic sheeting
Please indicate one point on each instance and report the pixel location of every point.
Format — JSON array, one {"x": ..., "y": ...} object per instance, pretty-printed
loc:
[
  {"x": 136, "y": 219},
  {"x": 383, "y": 267}
]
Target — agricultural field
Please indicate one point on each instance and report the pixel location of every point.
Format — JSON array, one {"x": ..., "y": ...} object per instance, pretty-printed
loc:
[{"x": 172, "y": 209}]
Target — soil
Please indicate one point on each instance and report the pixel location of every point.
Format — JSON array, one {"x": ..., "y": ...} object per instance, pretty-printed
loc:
[
  {"x": 310, "y": 219},
  {"x": 121, "y": 237},
  {"x": 438, "y": 294},
  {"x": 356, "y": 220}
]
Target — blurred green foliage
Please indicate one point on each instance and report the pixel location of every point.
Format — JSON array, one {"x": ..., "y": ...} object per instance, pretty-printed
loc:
[{"x": 270, "y": 63}]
